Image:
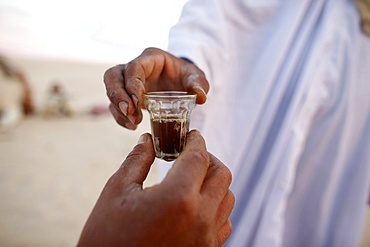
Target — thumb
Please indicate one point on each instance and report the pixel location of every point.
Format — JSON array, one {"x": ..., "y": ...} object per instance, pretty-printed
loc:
[{"x": 136, "y": 166}]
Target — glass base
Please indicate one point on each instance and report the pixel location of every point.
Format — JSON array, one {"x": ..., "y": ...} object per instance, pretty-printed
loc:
[{"x": 166, "y": 157}]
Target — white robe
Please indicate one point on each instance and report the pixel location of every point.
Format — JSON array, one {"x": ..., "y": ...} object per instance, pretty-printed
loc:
[{"x": 288, "y": 112}]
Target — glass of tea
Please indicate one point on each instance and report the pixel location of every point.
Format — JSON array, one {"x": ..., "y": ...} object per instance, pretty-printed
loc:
[{"x": 169, "y": 117}]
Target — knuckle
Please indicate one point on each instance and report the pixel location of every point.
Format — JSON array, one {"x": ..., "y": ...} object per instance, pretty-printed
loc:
[
  {"x": 150, "y": 51},
  {"x": 225, "y": 233},
  {"x": 112, "y": 184},
  {"x": 136, "y": 155},
  {"x": 110, "y": 74},
  {"x": 227, "y": 174},
  {"x": 107, "y": 74},
  {"x": 135, "y": 85},
  {"x": 199, "y": 157},
  {"x": 111, "y": 181},
  {"x": 112, "y": 94},
  {"x": 222, "y": 171},
  {"x": 232, "y": 198},
  {"x": 187, "y": 204}
]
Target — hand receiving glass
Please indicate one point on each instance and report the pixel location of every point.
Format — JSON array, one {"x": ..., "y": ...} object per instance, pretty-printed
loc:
[{"x": 190, "y": 207}]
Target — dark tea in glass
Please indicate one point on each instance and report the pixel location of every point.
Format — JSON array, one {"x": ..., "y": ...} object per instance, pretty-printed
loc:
[
  {"x": 169, "y": 117},
  {"x": 169, "y": 137}
]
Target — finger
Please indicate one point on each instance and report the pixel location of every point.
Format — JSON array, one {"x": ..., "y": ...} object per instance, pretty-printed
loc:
[
  {"x": 136, "y": 117},
  {"x": 153, "y": 70},
  {"x": 136, "y": 166},
  {"x": 139, "y": 72},
  {"x": 129, "y": 121},
  {"x": 190, "y": 168},
  {"x": 156, "y": 70},
  {"x": 121, "y": 119},
  {"x": 225, "y": 208},
  {"x": 195, "y": 81},
  {"x": 217, "y": 181},
  {"x": 135, "y": 78},
  {"x": 114, "y": 84},
  {"x": 224, "y": 233}
]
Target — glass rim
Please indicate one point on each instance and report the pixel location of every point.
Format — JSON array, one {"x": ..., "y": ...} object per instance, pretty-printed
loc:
[{"x": 170, "y": 94}]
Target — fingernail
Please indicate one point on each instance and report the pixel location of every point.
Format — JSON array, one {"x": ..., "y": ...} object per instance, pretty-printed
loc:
[
  {"x": 130, "y": 126},
  {"x": 123, "y": 106},
  {"x": 200, "y": 90},
  {"x": 135, "y": 99},
  {"x": 131, "y": 118},
  {"x": 143, "y": 138}
]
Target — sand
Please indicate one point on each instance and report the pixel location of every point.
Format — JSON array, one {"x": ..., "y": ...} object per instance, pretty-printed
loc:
[{"x": 53, "y": 170}]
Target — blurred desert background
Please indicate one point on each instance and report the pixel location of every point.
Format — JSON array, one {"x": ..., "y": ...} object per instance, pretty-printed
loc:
[{"x": 53, "y": 169}]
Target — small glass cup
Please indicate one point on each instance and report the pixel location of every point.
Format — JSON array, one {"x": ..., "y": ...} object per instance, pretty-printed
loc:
[{"x": 170, "y": 118}]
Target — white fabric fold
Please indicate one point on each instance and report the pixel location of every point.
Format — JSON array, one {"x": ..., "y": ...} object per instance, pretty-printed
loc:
[{"x": 288, "y": 112}]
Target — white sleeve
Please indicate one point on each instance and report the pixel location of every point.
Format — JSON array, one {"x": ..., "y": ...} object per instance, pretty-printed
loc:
[{"x": 201, "y": 30}]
